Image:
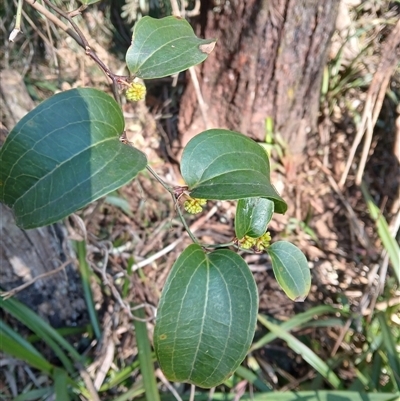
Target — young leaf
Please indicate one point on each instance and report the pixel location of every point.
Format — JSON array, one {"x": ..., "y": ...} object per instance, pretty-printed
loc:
[
  {"x": 166, "y": 46},
  {"x": 65, "y": 154},
  {"x": 206, "y": 317},
  {"x": 253, "y": 216},
  {"x": 225, "y": 165},
  {"x": 291, "y": 269}
]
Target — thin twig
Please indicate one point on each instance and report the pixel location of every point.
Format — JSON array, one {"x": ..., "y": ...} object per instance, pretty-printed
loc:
[
  {"x": 167, "y": 384},
  {"x": 353, "y": 220},
  {"x": 94, "y": 396},
  {"x": 373, "y": 103},
  {"x": 195, "y": 11},
  {"x": 192, "y": 70},
  {"x": 172, "y": 193},
  {"x": 11, "y": 293},
  {"x": 80, "y": 38},
  {"x": 192, "y": 392},
  {"x": 53, "y": 18},
  {"x": 17, "y": 27},
  {"x": 200, "y": 99},
  {"x": 52, "y": 47},
  {"x": 193, "y": 228}
]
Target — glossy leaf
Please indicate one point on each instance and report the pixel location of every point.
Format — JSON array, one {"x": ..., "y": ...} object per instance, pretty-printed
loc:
[
  {"x": 253, "y": 216},
  {"x": 225, "y": 165},
  {"x": 206, "y": 317},
  {"x": 166, "y": 46},
  {"x": 291, "y": 269},
  {"x": 65, "y": 154}
]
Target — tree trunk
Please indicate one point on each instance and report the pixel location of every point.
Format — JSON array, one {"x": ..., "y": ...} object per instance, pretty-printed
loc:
[
  {"x": 268, "y": 62},
  {"x": 27, "y": 254}
]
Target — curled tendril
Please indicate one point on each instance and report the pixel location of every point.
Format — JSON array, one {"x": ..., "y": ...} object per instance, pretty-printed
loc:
[
  {"x": 135, "y": 92},
  {"x": 194, "y": 206}
]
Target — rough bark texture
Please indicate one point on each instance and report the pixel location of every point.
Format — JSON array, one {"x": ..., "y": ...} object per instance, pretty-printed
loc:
[
  {"x": 268, "y": 62},
  {"x": 26, "y": 254}
]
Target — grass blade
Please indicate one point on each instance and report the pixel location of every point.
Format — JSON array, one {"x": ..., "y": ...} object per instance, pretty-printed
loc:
[
  {"x": 120, "y": 376},
  {"x": 390, "y": 346},
  {"x": 388, "y": 240},
  {"x": 35, "y": 323},
  {"x": 34, "y": 395},
  {"x": 308, "y": 355},
  {"x": 13, "y": 344},
  {"x": 60, "y": 384},
  {"x": 248, "y": 375},
  {"x": 87, "y": 291},
  {"x": 295, "y": 322},
  {"x": 145, "y": 357}
]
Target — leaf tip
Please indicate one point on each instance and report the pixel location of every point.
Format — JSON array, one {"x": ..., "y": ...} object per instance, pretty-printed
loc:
[
  {"x": 300, "y": 298},
  {"x": 207, "y": 47}
]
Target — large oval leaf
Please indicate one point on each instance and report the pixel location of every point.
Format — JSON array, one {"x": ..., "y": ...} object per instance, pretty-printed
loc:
[
  {"x": 65, "y": 154},
  {"x": 206, "y": 317},
  {"x": 291, "y": 269},
  {"x": 253, "y": 216},
  {"x": 166, "y": 46},
  {"x": 226, "y": 165}
]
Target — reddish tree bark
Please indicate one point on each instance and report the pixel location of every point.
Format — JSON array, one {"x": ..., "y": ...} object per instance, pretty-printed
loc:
[{"x": 268, "y": 62}]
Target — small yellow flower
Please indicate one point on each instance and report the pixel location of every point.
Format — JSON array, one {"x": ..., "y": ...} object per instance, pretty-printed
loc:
[
  {"x": 247, "y": 242},
  {"x": 135, "y": 92},
  {"x": 257, "y": 244},
  {"x": 194, "y": 206},
  {"x": 263, "y": 242}
]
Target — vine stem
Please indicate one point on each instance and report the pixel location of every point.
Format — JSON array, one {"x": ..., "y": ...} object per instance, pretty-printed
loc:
[
  {"x": 215, "y": 246},
  {"x": 178, "y": 209},
  {"x": 79, "y": 38}
]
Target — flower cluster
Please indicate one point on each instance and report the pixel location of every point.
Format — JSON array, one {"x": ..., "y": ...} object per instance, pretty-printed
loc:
[
  {"x": 194, "y": 206},
  {"x": 136, "y": 92},
  {"x": 258, "y": 244}
]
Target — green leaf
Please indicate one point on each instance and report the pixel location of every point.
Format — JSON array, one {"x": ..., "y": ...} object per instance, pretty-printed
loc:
[
  {"x": 206, "y": 317},
  {"x": 226, "y": 165},
  {"x": 166, "y": 46},
  {"x": 65, "y": 154},
  {"x": 291, "y": 269},
  {"x": 253, "y": 216}
]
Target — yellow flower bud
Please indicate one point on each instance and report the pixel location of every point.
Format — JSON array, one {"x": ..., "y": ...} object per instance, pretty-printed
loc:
[
  {"x": 135, "y": 92},
  {"x": 263, "y": 242},
  {"x": 194, "y": 206},
  {"x": 247, "y": 242}
]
